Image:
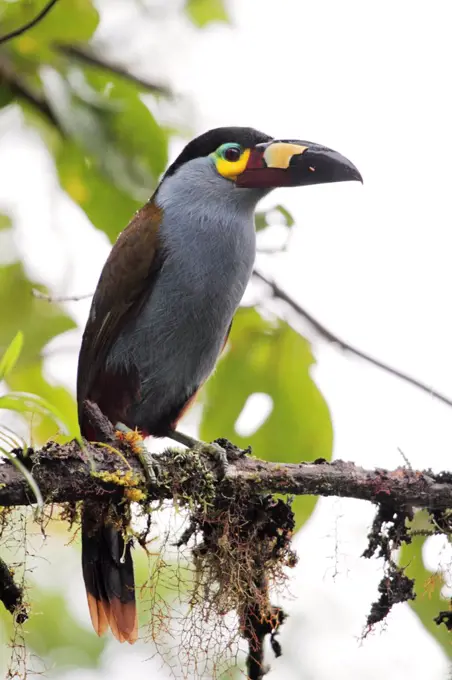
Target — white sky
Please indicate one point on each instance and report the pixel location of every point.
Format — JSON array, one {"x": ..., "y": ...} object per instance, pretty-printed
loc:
[{"x": 371, "y": 80}]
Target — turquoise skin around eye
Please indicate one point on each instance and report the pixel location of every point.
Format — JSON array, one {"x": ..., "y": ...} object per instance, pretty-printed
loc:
[{"x": 221, "y": 151}]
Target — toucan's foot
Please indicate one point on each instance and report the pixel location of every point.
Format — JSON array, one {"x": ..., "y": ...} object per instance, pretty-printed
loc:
[
  {"x": 218, "y": 454},
  {"x": 213, "y": 450},
  {"x": 135, "y": 440}
]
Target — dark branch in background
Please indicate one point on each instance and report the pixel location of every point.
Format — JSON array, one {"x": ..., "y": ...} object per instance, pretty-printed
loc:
[
  {"x": 88, "y": 57},
  {"x": 19, "y": 88},
  {"x": 22, "y": 90},
  {"x": 319, "y": 327},
  {"x": 11, "y": 594},
  {"x": 69, "y": 473},
  {"x": 345, "y": 346},
  {"x": 65, "y": 473},
  {"x": 22, "y": 29},
  {"x": 59, "y": 298}
]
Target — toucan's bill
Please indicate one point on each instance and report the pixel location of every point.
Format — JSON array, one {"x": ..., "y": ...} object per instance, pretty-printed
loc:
[{"x": 288, "y": 163}]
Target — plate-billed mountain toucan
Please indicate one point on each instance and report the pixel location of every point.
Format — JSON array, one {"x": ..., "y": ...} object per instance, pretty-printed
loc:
[{"x": 163, "y": 308}]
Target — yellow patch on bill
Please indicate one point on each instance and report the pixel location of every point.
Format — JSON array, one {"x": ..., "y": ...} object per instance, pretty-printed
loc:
[{"x": 279, "y": 154}]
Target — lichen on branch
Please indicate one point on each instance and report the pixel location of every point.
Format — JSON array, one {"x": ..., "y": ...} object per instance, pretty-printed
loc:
[
  {"x": 238, "y": 532},
  {"x": 64, "y": 472}
]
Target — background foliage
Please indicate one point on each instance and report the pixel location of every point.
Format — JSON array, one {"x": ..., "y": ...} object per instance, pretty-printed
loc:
[{"x": 109, "y": 145}]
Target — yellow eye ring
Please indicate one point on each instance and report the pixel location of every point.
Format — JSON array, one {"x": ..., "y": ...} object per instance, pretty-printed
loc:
[{"x": 226, "y": 166}]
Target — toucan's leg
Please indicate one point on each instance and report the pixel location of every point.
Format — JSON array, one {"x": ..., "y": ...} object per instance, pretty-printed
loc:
[
  {"x": 185, "y": 439},
  {"x": 135, "y": 439},
  {"x": 214, "y": 450}
]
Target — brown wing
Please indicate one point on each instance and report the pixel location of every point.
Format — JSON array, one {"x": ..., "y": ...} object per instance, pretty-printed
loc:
[{"x": 127, "y": 276}]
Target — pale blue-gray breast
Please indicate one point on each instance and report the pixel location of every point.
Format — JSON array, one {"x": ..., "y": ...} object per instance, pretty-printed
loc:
[{"x": 208, "y": 241}]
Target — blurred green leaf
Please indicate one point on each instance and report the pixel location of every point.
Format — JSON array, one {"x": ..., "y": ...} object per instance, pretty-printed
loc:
[
  {"x": 203, "y": 12},
  {"x": 39, "y": 321},
  {"x": 270, "y": 358},
  {"x": 30, "y": 377},
  {"x": 109, "y": 208},
  {"x": 428, "y": 585},
  {"x": 118, "y": 150},
  {"x": 130, "y": 123},
  {"x": 6, "y": 96},
  {"x": 22, "y": 402},
  {"x": 68, "y": 20},
  {"x": 289, "y": 220},
  {"x": 260, "y": 220},
  {"x": 52, "y": 631},
  {"x": 5, "y": 222},
  {"x": 113, "y": 127},
  {"x": 264, "y": 218},
  {"x": 160, "y": 580},
  {"x": 11, "y": 355}
]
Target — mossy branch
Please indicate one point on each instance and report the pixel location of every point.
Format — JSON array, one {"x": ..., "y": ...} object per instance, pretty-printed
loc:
[
  {"x": 66, "y": 472},
  {"x": 241, "y": 529}
]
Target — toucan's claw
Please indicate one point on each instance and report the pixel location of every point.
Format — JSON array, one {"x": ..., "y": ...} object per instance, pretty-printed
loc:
[
  {"x": 213, "y": 450},
  {"x": 217, "y": 453},
  {"x": 135, "y": 439}
]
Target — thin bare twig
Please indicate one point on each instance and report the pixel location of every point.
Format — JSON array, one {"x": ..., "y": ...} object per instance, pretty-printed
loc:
[
  {"x": 87, "y": 56},
  {"x": 405, "y": 458},
  {"x": 22, "y": 29},
  {"x": 271, "y": 250},
  {"x": 59, "y": 298},
  {"x": 319, "y": 327},
  {"x": 345, "y": 346}
]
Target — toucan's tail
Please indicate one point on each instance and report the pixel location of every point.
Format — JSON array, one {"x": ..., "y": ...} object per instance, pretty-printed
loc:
[{"x": 108, "y": 575}]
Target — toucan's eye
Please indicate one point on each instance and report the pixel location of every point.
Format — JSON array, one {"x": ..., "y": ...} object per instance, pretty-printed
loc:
[
  {"x": 230, "y": 160},
  {"x": 231, "y": 153}
]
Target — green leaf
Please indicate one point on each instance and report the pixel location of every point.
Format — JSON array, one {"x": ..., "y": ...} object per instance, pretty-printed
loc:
[
  {"x": 108, "y": 207},
  {"x": 6, "y": 96},
  {"x": 27, "y": 475},
  {"x": 62, "y": 404},
  {"x": 260, "y": 220},
  {"x": 263, "y": 219},
  {"x": 156, "y": 576},
  {"x": 130, "y": 123},
  {"x": 428, "y": 585},
  {"x": 40, "y": 321},
  {"x": 113, "y": 128},
  {"x": 5, "y": 222},
  {"x": 68, "y": 20},
  {"x": 54, "y": 633},
  {"x": 289, "y": 220},
  {"x": 22, "y": 402},
  {"x": 10, "y": 357},
  {"x": 270, "y": 358},
  {"x": 10, "y": 439},
  {"x": 117, "y": 152},
  {"x": 203, "y": 12}
]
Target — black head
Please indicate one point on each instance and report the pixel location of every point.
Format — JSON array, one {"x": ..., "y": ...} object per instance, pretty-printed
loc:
[
  {"x": 210, "y": 141},
  {"x": 254, "y": 160}
]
